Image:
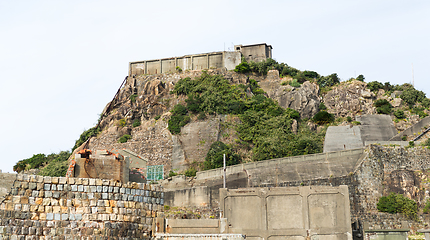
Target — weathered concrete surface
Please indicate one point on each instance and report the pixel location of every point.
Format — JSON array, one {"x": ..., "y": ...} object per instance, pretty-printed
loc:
[
  {"x": 6, "y": 183},
  {"x": 164, "y": 236},
  {"x": 376, "y": 127},
  {"x": 302, "y": 167},
  {"x": 225, "y": 59},
  {"x": 340, "y": 138},
  {"x": 297, "y": 212},
  {"x": 189, "y": 197},
  {"x": 196, "y": 226},
  {"x": 414, "y": 129},
  {"x": 373, "y": 128}
]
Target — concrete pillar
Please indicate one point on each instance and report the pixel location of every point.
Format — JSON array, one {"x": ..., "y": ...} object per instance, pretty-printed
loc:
[
  {"x": 161, "y": 66},
  {"x": 146, "y": 67},
  {"x": 192, "y": 63}
]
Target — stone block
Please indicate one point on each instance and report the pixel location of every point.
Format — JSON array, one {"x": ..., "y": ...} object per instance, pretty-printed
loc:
[
  {"x": 40, "y": 186},
  {"x": 54, "y": 180},
  {"x": 71, "y": 181},
  {"x": 92, "y": 181},
  {"x": 116, "y": 189},
  {"x": 104, "y": 196},
  {"x": 48, "y": 194},
  {"x": 99, "y": 189},
  {"x": 87, "y": 189},
  {"x": 32, "y": 185},
  {"x": 74, "y": 188},
  {"x": 17, "y": 207},
  {"x": 110, "y": 189},
  {"x": 80, "y": 188},
  {"x": 57, "y": 216},
  {"x": 49, "y": 216},
  {"x": 78, "y": 217},
  {"x": 53, "y": 187},
  {"x": 54, "y": 202},
  {"x": 47, "y": 187},
  {"x": 99, "y": 182},
  {"x": 62, "y": 180},
  {"x": 56, "y": 194},
  {"x": 60, "y": 187},
  {"x": 56, "y": 209},
  {"x": 105, "y": 182},
  {"x": 93, "y": 189},
  {"x": 46, "y": 201},
  {"x": 85, "y": 181},
  {"x": 48, "y": 209},
  {"x": 64, "y": 216},
  {"x": 127, "y": 191},
  {"x": 78, "y": 181},
  {"x": 47, "y": 179}
]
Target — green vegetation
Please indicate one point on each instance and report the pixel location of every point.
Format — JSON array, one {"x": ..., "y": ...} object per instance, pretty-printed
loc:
[
  {"x": 133, "y": 98},
  {"x": 136, "y": 123},
  {"x": 54, "y": 165},
  {"x": 356, "y": 123},
  {"x": 172, "y": 173},
  {"x": 157, "y": 117},
  {"x": 85, "y": 135},
  {"x": 295, "y": 83},
  {"x": 426, "y": 209},
  {"x": 360, "y": 78},
  {"x": 329, "y": 80},
  {"x": 397, "y": 203},
  {"x": 375, "y": 86},
  {"x": 179, "y": 69},
  {"x": 399, "y": 114},
  {"x": 349, "y": 119},
  {"x": 411, "y": 144},
  {"x": 124, "y": 138},
  {"x": 322, "y": 106},
  {"x": 404, "y": 138},
  {"x": 121, "y": 122},
  {"x": 265, "y": 126},
  {"x": 323, "y": 117},
  {"x": 178, "y": 119},
  {"x": 383, "y": 106},
  {"x": 190, "y": 172},
  {"x": 214, "y": 157}
]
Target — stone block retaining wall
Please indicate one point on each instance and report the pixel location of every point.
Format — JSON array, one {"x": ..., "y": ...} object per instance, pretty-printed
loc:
[{"x": 58, "y": 208}]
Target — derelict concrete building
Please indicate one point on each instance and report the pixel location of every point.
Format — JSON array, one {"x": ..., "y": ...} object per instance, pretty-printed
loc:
[{"x": 223, "y": 59}]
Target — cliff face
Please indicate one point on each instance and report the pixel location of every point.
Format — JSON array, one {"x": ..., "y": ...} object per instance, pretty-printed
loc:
[
  {"x": 142, "y": 110},
  {"x": 147, "y": 99}
]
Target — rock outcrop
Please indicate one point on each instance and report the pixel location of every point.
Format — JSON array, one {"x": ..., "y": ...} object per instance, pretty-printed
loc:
[{"x": 350, "y": 99}]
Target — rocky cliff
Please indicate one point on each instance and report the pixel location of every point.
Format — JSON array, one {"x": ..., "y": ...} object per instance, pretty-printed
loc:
[{"x": 142, "y": 110}]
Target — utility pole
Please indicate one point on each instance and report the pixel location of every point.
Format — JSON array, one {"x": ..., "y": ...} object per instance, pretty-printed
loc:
[{"x": 224, "y": 170}]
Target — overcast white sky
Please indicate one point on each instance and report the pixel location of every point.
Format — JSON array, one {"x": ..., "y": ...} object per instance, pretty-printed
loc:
[{"x": 62, "y": 61}]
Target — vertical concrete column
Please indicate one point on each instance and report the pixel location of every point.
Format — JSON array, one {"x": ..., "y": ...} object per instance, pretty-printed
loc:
[
  {"x": 146, "y": 67},
  {"x": 129, "y": 69},
  {"x": 176, "y": 62},
  {"x": 161, "y": 65},
  {"x": 192, "y": 63}
]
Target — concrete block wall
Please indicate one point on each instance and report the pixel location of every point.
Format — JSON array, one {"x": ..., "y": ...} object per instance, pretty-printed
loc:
[
  {"x": 228, "y": 60},
  {"x": 58, "y": 208}
]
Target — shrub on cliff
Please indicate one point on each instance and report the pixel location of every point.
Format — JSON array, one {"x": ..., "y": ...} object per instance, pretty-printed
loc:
[
  {"x": 397, "y": 203},
  {"x": 329, "y": 80},
  {"x": 383, "y": 106},
  {"x": 323, "y": 117},
  {"x": 84, "y": 136},
  {"x": 54, "y": 164},
  {"x": 215, "y": 155}
]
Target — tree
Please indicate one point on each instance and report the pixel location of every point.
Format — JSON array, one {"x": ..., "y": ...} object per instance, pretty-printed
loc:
[{"x": 360, "y": 77}]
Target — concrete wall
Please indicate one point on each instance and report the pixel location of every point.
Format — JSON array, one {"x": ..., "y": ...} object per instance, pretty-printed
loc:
[
  {"x": 419, "y": 127},
  {"x": 196, "y": 226},
  {"x": 161, "y": 236},
  {"x": 302, "y": 167},
  {"x": 373, "y": 128},
  {"x": 189, "y": 197},
  {"x": 102, "y": 164},
  {"x": 228, "y": 60},
  {"x": 255, "y": 52},
  {"x": 291, "y": 213},
  {"x": 340, "y": 138},
  {"x": 6, "y": 183},
  {"x": 40, "y": 207}
]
